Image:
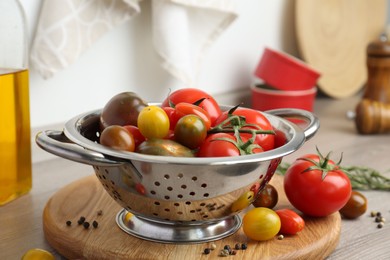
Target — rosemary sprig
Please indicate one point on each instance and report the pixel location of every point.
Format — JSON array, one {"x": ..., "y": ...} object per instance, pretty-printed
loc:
[
  {"x": 362, "y": 178},
  {"x": 365, "y": 178}
]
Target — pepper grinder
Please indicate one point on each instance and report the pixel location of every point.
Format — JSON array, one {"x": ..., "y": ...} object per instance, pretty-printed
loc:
[{"x": 373, "y": 111}]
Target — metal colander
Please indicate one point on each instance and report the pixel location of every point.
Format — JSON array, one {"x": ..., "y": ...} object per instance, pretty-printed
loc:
[{"x": 178, "y": 199}]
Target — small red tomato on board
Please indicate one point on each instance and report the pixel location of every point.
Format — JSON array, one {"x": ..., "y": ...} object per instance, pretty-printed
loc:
[
  {"x": 291, "y": 222},
  {"x": 192, "y": 95},
  {"x": 266, "y": 141},
  {"x": 316, "y": 185}
]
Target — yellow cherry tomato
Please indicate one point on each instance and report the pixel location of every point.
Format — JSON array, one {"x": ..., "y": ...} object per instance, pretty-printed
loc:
[
  {"x": 243, "y": 201},
  {"x": 153, "y": 122},
  {"x": 261, "y": 224},
  {"x": 37, "y": 254}
]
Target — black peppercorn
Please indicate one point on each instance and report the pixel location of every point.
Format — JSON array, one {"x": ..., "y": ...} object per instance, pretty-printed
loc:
[
  {"x": 86, "y": 225},
  {"x": 206, "y": 251},
  {"x": 68, "y": 223},
  {"x": 237, "y": 246},
  {"x": 95, "y": 224},
  {"x": 81, "y": 220},
  {"x": 244, "y": 246}
]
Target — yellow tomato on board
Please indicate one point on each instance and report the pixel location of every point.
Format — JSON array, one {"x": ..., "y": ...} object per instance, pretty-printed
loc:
[{"x": 261, "y": 224}]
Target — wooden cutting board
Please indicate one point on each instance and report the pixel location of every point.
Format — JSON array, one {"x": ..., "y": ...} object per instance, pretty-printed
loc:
[
  {"x": 332, "y": 37},
  {"x": 86, "y": 197}
]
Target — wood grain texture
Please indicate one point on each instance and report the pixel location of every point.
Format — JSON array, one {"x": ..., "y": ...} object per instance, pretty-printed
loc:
[
  {"x": 372, "y": 117},
  {"x": 333, "y": 36},
  {"x": 86, "y": 197}
]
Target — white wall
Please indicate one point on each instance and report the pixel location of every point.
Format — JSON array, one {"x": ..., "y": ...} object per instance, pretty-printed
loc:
[{"x": 124, "y": 60}]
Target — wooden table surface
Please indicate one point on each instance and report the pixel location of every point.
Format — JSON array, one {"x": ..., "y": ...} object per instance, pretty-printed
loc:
[{"x": 21, "y": 220}]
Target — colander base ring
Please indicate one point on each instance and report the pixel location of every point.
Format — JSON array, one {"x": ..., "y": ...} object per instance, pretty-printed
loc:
[{"x": 182, "y": 234}]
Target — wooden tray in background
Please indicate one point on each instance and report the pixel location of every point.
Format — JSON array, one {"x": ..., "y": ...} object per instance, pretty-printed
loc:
[
  {"x": 87, "y": 196},
  {"x": 333, "y": 36}
]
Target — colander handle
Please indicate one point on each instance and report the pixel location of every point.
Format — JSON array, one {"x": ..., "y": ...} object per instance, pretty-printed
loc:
[
  {"x": 312, "y": 123},
  {"x": 57, "y": 143}
]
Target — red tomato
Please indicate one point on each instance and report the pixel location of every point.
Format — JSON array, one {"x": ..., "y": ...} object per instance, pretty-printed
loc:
[
  {"x": 266, "y": 141},
  {"x": 312, "y": 194},
  {"x": 183, "y": 109},
  {"x": 291, "y": 222},
  {"x": 170, "y": 135},
  {"x": 138, "y": 137},
  {"x": 218, "y": 148},
  {"x": 191, "y": 95},
  {"x": 213, "y": 147},
  {"x": 172, "y": 115},
  {"x": 140, "y": 188}
]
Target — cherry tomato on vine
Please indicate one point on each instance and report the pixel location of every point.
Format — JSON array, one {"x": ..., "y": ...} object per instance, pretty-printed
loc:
[
  {"x": 266, "y": 141},
  {"x": 261, "y": 224},
  {"x": 192, "y": 95},
  {"x": 291, "y": 222},
  {"x": 315, "y": 186},
  {"x": 138, "y": 137},
  {"x": 153, "y": 122},
  {"x": 218, "y": 145},
  {"x": 190, "y": 131},
  {"x": 117, "y": 137},
  {"x": 212, "y": 147}
]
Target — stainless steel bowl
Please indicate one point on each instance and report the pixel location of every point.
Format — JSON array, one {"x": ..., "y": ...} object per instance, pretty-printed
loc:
[{"x": 177, "y": 199}]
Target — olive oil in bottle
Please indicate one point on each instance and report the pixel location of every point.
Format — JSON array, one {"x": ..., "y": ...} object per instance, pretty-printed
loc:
[{"x": 15, "y": 141}]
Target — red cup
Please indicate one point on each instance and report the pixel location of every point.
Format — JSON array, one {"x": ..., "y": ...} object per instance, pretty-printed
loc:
[
  {"x": 285, "y": 72},
  {"x": 265, "y": 98}
]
